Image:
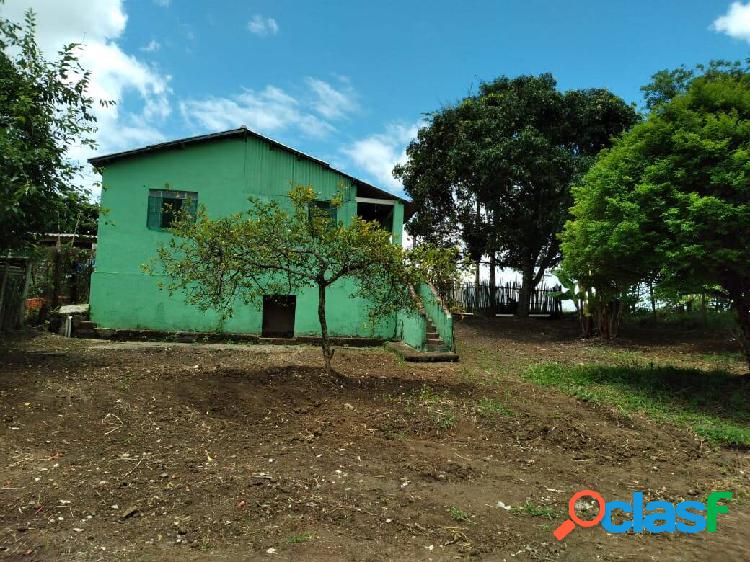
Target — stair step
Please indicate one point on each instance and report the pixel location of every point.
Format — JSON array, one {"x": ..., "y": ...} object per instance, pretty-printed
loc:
[
  {"x": 85, "y": 329},
  {"x": 411, "y": 354}
]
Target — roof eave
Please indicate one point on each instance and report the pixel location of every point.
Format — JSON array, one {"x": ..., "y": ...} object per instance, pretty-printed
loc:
[{"x": 101, "y": 161}]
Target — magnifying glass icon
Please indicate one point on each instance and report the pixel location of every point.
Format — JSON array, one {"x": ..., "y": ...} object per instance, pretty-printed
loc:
[{"x": 569, "y": 524}]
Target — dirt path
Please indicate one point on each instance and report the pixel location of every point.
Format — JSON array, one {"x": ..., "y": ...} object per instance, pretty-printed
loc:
[{"x": 166, "y": 452}]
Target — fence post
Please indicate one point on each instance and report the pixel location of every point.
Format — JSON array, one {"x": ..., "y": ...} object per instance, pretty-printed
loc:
[
  {"x": 25, "y": 293},
  {"x": 3, "y": 285},
  {"x": 56, "y": 273}
]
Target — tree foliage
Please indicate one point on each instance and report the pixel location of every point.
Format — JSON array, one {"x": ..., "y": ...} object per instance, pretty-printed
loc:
[
  {"x": 494, "y": 171},
  {"x": 44, "y": 109},
  {"x": 275, "y": 248},
  {"x": 672, "y": 196},
  {"x": 441, "y": 267}
]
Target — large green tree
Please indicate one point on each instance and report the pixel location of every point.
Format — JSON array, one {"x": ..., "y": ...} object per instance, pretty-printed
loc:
[
  {"x": 273, "y": 248},
  {"x": 495, "y": 170},
  {"x": 44, "y": 110},
  {"x": 673, "y": 195}
]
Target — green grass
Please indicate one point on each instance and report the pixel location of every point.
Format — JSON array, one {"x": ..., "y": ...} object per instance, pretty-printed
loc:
[
  {"x": 715, "y": 404},
  {"x": 458, "y": 515},
  {"x": 530, "y": 508},
  {"x": 438, "y": 406},
  {"x": 445, "y": 418},
  {"x": 489, "y": 407},
  {"x": 299, "y": 538},
  {"x": 722, "y": 359}
]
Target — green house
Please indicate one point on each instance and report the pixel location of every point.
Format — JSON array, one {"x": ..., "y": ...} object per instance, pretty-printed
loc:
[{"x": 144, "y": 188}]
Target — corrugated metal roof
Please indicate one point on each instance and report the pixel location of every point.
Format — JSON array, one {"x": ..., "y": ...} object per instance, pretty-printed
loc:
[{"x": 101, "y": 161}]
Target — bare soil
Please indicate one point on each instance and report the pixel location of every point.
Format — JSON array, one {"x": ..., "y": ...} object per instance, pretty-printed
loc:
[{"x": 136, "y": 451}]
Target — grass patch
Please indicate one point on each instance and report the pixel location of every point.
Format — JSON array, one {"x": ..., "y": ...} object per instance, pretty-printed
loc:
[
  {"x": 715, "y": 404},
  {"x": 530, "y": 508},
  {"x": 445, "y": 418},
  {"x": 490, "y": 407},
  {"x": 438, "y": 406},
  {"x": 723, "y": 359},
  {"x": 457, "y": 514},
  {"x": 299, "y": 538}
]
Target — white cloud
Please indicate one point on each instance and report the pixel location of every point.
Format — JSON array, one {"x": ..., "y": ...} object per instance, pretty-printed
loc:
[
  {"x": 152, "y": 46},
  {"x": 115, "y": 75},
  {"x": 270, "y": 110},
  {"x": 273, "y": 110},
  {"x": 330, "y": 102},
  {"x": 162, "y": 3},
  {"x": 377, "y": 154},
  {"x": 262, "y": 26},
  {"x": 736, "y": 22}
]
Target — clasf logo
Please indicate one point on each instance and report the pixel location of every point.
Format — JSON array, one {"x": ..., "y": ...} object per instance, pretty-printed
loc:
[{"x": 655, "y": 516}]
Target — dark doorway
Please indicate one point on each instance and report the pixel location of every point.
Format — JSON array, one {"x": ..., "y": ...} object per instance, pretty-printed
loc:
[{"x": 278, "y": 316}]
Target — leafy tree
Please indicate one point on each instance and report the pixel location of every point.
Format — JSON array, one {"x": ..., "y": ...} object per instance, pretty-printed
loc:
[
  {"x": 673, "y": 196},
  {"x": 273, "y": 249},
  {"x": 44, "y": 109},
  {"x": 495, "y": 170},
  {"x": 440, "y": 267}
]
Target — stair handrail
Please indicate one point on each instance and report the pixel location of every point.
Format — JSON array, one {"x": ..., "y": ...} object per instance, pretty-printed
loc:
[
  {"x": 420, "y": 306},
  {"x": 440, "y": 308},
  {"x": 439, "y": 299}
]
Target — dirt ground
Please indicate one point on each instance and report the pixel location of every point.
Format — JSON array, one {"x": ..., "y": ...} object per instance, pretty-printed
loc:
[{"x": 229, "y": 452}]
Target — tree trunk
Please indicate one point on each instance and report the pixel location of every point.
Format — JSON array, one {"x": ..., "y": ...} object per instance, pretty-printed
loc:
[
  {"x": 652, "y": 299},
  {"x": 741, "y": 305},
  {"x": 493, "y": 288},
  {"x": 325, "y": 343},
  {"x": 585, "y": 314},
  {"x": 608, "y": 316},
  {"x": 524, "y": 295}
]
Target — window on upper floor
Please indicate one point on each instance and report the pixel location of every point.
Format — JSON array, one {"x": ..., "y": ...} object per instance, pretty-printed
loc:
[
  {"x": 165, "y": 207},
  {"x": 375, "y": 210}
]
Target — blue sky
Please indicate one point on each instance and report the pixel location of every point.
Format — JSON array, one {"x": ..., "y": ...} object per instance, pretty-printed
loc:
[{"x": 349, "y": 81}]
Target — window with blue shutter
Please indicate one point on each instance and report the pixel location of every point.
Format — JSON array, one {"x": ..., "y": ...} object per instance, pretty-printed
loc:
[
  {"x": 154, "y": 210},
  {"x": 166, "y": 206},
  {"x": 327, "y": 208}
]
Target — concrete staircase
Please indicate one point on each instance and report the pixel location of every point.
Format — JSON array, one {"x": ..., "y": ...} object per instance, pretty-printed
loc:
[{"x": 434, "y": 343}]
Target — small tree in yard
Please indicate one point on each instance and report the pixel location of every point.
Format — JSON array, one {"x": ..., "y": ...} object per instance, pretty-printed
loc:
[{"x": 272, "y": 249}]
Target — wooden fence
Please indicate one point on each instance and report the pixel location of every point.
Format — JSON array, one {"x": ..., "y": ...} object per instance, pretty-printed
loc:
[
  {"x": 59, "y": 275},
  {"x": 470, "y": 298},
  {"x": 55, "y": 272},
  {"x": 13, "y": 287}
]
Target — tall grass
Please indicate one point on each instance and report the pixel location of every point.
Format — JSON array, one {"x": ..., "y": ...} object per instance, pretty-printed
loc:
[{"x": 715, "y": 405}]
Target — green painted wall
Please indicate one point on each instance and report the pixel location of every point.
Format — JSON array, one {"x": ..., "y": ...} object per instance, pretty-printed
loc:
[
  {"x": 411, "y": 328},
  {"x": 224, "y": 172}
]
